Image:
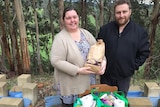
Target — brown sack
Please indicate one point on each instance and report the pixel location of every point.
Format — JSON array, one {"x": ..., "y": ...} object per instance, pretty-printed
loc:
[{"x": 95, "y": 56}]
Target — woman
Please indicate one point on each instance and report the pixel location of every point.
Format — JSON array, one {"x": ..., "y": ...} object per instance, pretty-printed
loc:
[{"x": 68, "y": 55}]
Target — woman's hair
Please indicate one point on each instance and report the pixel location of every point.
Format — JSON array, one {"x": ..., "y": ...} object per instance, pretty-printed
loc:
[
  {"x": 68, "y": 9},
  {"x": 119, "y": 2}
]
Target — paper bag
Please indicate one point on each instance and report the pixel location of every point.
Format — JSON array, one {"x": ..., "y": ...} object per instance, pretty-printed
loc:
[{"x": 95, "y": 56}]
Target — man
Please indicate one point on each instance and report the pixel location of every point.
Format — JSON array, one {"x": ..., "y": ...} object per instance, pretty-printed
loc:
[{"x": 127, "y": 47}]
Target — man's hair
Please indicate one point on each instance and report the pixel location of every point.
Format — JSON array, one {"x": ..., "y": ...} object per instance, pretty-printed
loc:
[{"x": 119, "y": 2}]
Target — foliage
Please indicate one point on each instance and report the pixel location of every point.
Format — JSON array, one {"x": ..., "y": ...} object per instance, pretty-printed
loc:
[
  {"x": 140, "y": 14},
  {"x": 155, "y": 69},
  {"x": 91, "y": 25}
]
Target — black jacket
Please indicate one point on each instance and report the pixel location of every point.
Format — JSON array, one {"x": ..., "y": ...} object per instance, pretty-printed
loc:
[{"x": 125, "y": 52}]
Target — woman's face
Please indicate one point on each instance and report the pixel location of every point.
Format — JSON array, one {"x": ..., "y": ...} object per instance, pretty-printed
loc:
[{"x": 71, "y": 20}]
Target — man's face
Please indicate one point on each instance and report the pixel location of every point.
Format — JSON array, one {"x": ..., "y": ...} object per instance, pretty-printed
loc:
[{"x": 122, "y": 14}]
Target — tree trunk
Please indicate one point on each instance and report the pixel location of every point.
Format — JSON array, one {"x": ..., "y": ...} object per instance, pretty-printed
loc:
[
  {"x": 154, "y": 21},
  {"x": 83, "y": 14},
  {"x": 14, "y": 48},
  {"x": 101, "y": 7},
  {"x": 23, "y": 39},
  {"x": 4, "y": 44},
  {"x": 61, "y": 8},
  {"x": 50, "y": 10},
  {"x": 2, "y": 56},
  {"x": 37, "y": 38}
]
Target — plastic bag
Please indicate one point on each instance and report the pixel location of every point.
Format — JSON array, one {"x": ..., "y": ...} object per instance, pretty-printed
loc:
[
  {"x": 117, "y": 94},
  {"x": 85, "y": 101}
]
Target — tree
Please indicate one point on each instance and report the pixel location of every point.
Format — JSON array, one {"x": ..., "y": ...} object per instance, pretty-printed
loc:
[
  {"x": 50, "y": 11},
  {"x": 152, "y": 33},
  {"x": 37, "y": 38},
  {"x": 83, "y": 14},
  {"x": 101, "y": 7},
  {"x": 14, "y": 53},
  {"x": 23, "y": 39},
  {"x": 3, "y": 42},
  {"x": 61, "y": 8}
]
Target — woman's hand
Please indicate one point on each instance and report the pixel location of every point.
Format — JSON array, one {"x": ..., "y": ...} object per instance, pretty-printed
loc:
[
  {"x": 103, "y": 67},
  {"x": 85, "y": 70}
]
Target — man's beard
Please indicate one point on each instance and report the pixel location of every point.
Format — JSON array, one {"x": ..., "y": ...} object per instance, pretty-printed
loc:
[{"x": 122, "y": 23}]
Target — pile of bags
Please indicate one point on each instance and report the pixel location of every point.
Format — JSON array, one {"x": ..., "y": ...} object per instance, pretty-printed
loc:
[{"x": 103, "y": 99}]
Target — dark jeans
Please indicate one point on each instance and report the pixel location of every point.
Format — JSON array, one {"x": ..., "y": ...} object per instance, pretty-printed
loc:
[
  {"x": 123, "y": 84},
  {"x": 67, "y": 105},
  {"x": 68, "y": 101}
]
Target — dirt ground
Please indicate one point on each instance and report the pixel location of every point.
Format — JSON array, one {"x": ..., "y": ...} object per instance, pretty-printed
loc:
[
  {"x": 44, "y": 83},
  {"x": 45, "y": 86}
]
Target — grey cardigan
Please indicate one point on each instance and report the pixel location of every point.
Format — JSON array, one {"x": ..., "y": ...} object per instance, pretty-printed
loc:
[{"x": 66, "y": 58}]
